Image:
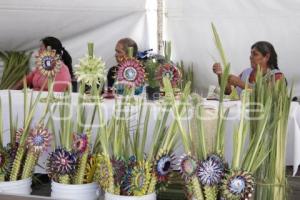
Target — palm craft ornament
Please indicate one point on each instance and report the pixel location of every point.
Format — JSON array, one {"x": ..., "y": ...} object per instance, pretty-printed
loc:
[
  {"x": 38, "y": 139},
  {"x": 91, "y": 70},
  {"x": 238, "y": 185},
  {"x": 169, "y": 71},
  {"x": 4, "y": 161},
  {"x": 164, "y": 166},
  {"x": 187, "y": 167},
  {"x": 61, "y": 162},
  {"x": 131, "y": 72},
  {"x": 48, "y": 62}
]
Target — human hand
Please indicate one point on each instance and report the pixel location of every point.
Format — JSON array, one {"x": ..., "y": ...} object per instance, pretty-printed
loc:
[
  {"x": 217, "y": 69},
  {"x": 233, "y": 80}
]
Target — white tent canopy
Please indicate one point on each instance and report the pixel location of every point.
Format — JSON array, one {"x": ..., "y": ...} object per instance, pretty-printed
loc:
[
  {"x": 239, "y": 23},
  {"x": 76, "y": 22}
]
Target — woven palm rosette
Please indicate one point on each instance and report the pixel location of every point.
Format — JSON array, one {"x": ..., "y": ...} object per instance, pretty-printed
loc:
[
  {"x": 80, "y": 143},
  {"x": 131, "y": 74},
  {"x": 90, "y": 72},
  {"x": 48, "y": 62},
  {"x": 169, "y": 71},
  {"x": 140, "y": 178},
  {"x": 104, "y": 173},
  {"x": 119, "y": 170},
  {"x": 61, "y": 163},
  {"x": 210, "y": 173},
  {"x": 90, "y": 169},
  {"x": 4, "y": 164},
  {"x": 38, "y": 141},
  {"x": 81, "y": 148},
  {"x": 164, "y": 165},
  {"x": 126, "y": 181},
  {"x": 187, "y": 167},
  {"x": 238, "y": 185}
]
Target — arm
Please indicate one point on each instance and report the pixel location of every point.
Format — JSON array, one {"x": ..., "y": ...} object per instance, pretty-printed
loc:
[
  {"x": 62, "y": 80},
  {"x": 236, "y": 81}
]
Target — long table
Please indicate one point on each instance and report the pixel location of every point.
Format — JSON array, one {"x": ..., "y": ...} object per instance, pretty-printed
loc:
[{"x": 108, "y": 105}]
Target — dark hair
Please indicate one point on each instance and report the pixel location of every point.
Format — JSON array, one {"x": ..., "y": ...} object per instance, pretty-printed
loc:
[
  {"x": 267, "y": 48},
  {"x": 128, "y": 42},
  {"x": 56, "y": 44}
]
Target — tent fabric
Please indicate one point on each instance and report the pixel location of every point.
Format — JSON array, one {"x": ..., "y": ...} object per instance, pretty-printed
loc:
[
  {"x": 240, "y": 24},
  {"x": 77, "y": 22}
]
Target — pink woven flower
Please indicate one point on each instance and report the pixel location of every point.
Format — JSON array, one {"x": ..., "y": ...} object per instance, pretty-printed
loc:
[
  {"x": 38, "y": 139},
  {"x": 19, "y": 134},
  {"x": 131, "y": 72},
  {"x": 80, "y": 142},
  {"x": 61, "y": 162},
  {"x": 170, "y": 71}
]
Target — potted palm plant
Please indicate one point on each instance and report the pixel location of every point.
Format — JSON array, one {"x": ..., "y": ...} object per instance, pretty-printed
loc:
[
  {"x": 169, "y": 70},
  {"x": 19, "y": 157},
  {"x": 272, "y": 175},
  {"x": 127, "y": 169},
  {"x": 71, "y": 165}
]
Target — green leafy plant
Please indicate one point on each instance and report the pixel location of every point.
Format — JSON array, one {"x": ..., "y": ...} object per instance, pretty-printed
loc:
[
  {"x": 272, "y": 175},
  {"x": 16, "y": 66},
  {"x": 151, "y": 67},
  {"x": 123, "y": 152},
  {"x": 187, "y": 73},
  {"x": 19, "y": 157}
]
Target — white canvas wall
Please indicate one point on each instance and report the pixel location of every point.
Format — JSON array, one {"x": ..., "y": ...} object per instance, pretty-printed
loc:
[
  {"x": 76, "y": 22},
  {"x": 240, "y": 23}
]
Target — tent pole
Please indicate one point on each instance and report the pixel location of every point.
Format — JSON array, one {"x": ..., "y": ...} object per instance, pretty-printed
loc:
[{"x": 160, "y": 26}]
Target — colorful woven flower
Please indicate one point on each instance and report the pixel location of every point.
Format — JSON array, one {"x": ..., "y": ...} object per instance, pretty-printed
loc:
[
  {"x": 19, "y": 134},
  {"x": 140, "y": 179},
  {"x": 12, "y": 152},
  {"x": 210, "y": 172},
  {"x": 80, "y": 143},
  {"x": 119, "y": 169},
  {"x": 48, "y": 62},
  {"x": 104, "y": 172},
  {"x": 163, "y": 166},
  {"x": 238, "y": 185},
  {"x": 126, "y": 182},
  {"x": 187, "y": 167},
  {"x": 215, "y": 157},
  {"x": 170, "y": 71},
  {"x": 90, "y": 170},
  {"x": 4, "y": 161},
  {"x": 61, "y": 162},
  {"x": 131, "y": 72},
  {"x": 38, "y": 139},
  {"x": 91, "y": 70}
]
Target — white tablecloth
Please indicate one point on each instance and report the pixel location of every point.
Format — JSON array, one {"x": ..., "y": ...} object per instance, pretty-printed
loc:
[{"x": 293, "y": 138}]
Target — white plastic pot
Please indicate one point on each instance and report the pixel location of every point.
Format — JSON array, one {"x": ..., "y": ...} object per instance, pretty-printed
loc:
[
  {"x": 109, "y": 196},
  {"x": 90, "y": 191},
  {"x": 20, "y": 187}
]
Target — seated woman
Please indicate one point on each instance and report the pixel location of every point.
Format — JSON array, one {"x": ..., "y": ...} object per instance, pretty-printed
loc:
[
  {"x": 264, "y": 55},
  {"x": 62, "y": 80},
  {"x": 121, "y": 52}
]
